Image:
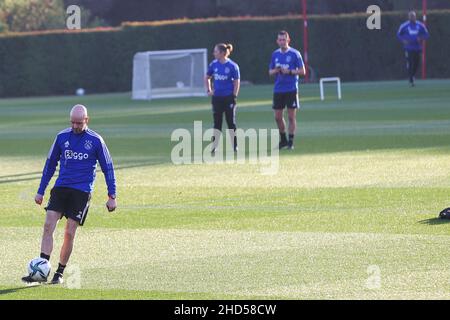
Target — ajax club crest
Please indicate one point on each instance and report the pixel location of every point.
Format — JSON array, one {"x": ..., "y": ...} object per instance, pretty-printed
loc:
[{"x": 88, "y": 145}]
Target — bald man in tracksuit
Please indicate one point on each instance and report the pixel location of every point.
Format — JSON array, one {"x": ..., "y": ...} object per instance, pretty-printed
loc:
[
  {"x": 411, "y": 34},
  {"x": 77, "y": 149}
]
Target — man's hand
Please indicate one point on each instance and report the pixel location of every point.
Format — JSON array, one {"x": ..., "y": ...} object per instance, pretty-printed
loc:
[
  {"x": 111, "y": 204},
  {"x": 234, "y": 99},
  {"x": 275, "y": 71},
  {"x": 210, "y": 93},
  {"x": 285, "y": 71},
  {"x": 38, "y": 198}
]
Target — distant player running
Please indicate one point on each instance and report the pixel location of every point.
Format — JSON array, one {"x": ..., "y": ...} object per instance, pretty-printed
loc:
[
  {"x": 224, "y": 90},
  {"x": 286, "y": 65},
  {"x": 77, "y": 149},
  {"x": 411, "y": 34}
]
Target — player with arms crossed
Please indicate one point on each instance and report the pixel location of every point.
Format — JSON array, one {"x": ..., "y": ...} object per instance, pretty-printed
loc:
[
  {"x": 224, "y": 91},
  {"x": 77, "y": 149},
  {"x": 286, "y": 65}
]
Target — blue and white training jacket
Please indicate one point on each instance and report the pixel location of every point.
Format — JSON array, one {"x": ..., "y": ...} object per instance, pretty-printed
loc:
[{"x": 77, "y": 155}]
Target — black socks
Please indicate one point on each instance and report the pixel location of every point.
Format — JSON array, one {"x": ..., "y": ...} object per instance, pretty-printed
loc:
[
  {"x": 284, "y": 139},
  {"x": 44, "y": 256},
  {"x": 60, "y": 268},
  {"x": 283, "y": 136}
]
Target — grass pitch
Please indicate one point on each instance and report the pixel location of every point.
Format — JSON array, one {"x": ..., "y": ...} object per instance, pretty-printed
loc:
[{"x": 351, "y": 214}]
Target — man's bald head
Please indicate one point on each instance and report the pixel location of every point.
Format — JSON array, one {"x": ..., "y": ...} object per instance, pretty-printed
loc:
[
  {"x": 79, "y": 118},
  {"x": 412, "y": 16},
  {"x": 78, "y": 111}
]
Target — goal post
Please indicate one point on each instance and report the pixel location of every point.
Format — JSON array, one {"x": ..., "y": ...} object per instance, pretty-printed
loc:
[
  {"x": 169, "y": 74},
  {"x": 330, "y": 79}
]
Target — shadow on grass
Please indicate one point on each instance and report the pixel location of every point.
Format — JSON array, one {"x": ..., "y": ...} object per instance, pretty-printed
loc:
[
  {"x": 19, "y": 180},
  {"x": 434, "y": 221},
  {"x": 14, "y": 290},
  {"x": 20, "y": 175},
  {"x": 6, "y": 179}
]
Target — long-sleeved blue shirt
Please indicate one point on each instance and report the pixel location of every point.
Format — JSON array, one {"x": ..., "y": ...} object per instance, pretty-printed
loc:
[
  {"x": 412, "y": 32},
  {"x": 78, "y": 155}
]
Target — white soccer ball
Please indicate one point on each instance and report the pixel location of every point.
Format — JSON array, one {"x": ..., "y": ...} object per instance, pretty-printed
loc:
[
  {"x": 180, "y": 84},
  {"x": 80, "y": 92},
  {"x": 39, "y": 269}
]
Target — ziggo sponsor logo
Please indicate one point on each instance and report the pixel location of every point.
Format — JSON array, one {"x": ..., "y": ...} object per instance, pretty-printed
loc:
[
  {"x": 220, "y": 77},
  {"x": 69, "y": 154}
]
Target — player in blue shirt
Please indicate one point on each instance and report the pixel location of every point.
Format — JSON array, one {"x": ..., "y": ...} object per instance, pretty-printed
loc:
[
  {"x": 77, "y": 149},
  {"x": 411, "y": 34},
  {"x": 286, "y": 65},
  {"x": 224, "y": 90}
]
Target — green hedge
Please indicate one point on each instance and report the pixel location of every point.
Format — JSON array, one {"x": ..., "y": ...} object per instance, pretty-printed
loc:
[{"x": 49, "y": 63}]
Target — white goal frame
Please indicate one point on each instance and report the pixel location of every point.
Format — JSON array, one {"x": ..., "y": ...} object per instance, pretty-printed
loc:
[
  {"x": 330, "y": 79},
  {"x": 149, "y": 93}
]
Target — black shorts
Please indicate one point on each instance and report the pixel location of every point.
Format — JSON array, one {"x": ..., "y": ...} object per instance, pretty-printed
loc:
[
  {"x": 72, "y": 203},
  {"x": 285, "y": 99}
]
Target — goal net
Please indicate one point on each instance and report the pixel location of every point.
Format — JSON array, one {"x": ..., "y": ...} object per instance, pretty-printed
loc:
[{"x": 168, "y": 74}]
